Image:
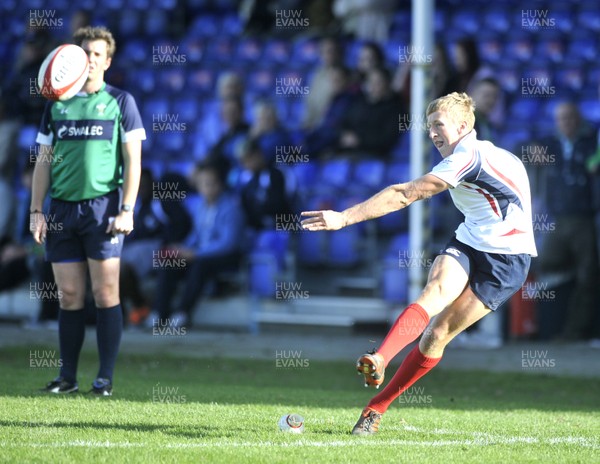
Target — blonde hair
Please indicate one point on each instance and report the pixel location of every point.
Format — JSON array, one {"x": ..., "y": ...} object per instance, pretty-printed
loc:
[
  {"x": 459, "y": 107},
  {"x": 96, "y": 33}
]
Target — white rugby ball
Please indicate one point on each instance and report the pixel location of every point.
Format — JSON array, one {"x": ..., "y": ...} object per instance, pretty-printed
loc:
[
  {"x": 63, "y": 73},
  {"x": 291, "y": 423}
]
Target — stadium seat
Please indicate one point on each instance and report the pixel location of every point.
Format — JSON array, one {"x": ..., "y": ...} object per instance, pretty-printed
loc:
[
  {"x": 369, "y": 173},
  {"x": 204, "y": 25},
  {"x": 261, "y": 81},
  {"x": 306, "y": 52},
  {"x": 277, "y": 51},
  {"x": 219, "y": 50},
  {"x": 397, "y": 172},
  {"x": 173, "y": 79},
  {"x": 466, "y": 22},
  {"x": 26, "y": 138},
  {"x": 519, "y": 49},
  {"x": 523, "y": 109},
  {"x": 306, "y": 175},
  {"x": 248, "y": 50},
  {"x": 201, "y": 82},
  {"x": 497, "y": 20},
  {"x": 231, "y": 25},
  {"x": 193, "y": 49},
  {"x": 553, "y": 49},
  {"x": 263, "y": 274},
  {"x": 311, "y": 248},
  {"x": 584, "y": 49},
  {"x": 156, "y": 106},
  {"x": 572, "y": 79},
  {"x": 335, "y": 173},
  {"x": 589, "y": 18},
  {"x": 344, "y": 247},
  {"x": 129, "y": 23},
  {"x": 187, "y": 110},
  {"x": 590, "y": 110},
  {"x": 490, "y": 50},
  {"x": 137, "y": 51}
]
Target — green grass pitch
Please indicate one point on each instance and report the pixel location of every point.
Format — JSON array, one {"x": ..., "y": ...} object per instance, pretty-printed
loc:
[{"x": 168, "y": 409}]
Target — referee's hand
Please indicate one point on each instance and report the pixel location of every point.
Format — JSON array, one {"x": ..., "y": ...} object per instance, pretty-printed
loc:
[
  {"x": 322, "y": 220},
  {"x": 122, "y": 224},
  {"x": 38, "y": 227}
]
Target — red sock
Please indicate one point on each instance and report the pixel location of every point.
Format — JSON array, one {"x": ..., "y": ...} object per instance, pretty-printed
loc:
[
  {"x": 414, "y": 366},
  {"x": 409, "y": 325}
]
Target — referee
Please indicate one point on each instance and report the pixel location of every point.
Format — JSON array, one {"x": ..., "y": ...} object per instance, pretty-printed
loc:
[{"x": 89, "y": 159}]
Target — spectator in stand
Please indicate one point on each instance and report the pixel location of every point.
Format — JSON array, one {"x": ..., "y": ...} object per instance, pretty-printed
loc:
[
  {"x": 323, "y": 138},
  {"x": 230, "y": 85},
  {"x": 21, "y": 85},
  {"x": 365, "y": 19},
  {"x": 213, "y": 246},
  {"x": 469, "y": 70},
  {"x": 331, "y": 54},
  {"x": 370, "y": 56},
  {"x": 267, "y": 130},
  {"x": 264, "y": 195},
  {"x": 21, "y": 259},
  {"x": 235, "y": 132},
  {"x": 486, "y": 93},
  {"x": 443, "y": 77},
  {"x": 160, "y": 218},
  {"x": 370, "y": 127},
  {"x": 568, "y": 199}
]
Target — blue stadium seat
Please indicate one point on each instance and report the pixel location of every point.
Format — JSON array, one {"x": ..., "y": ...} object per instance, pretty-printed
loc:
[
  {"x": 263, "y": 274},
  {"x": 497, "y": 20},
  {"x": 584, "y": 49},
  {"x": 277, "y": 51},
  {"x": 571, "y": 78},
  {"x": 201, "y": 81},
  {"x": 344, "y": 247},
  {"x": 275, "y": 242},
  {"x": 394, "y": 278},
  {"x": 261, "y": 81},
  {"x": 143, "y": 5},
  {"x": 249, "y": 50},
  {"x": 155, "y": 106},
  {"x": 204, "y": 25},
  {"x": 490, "y": 50},
  {"x": 553, "y": 49},
  {"x": 466, "y": 21},
  {"x": 397, "y": 173},
  {"x": 590, "y": 110},
  {"x": 143, "y": 79},
  {"x": 306, "y": 175},
  {"x": 519, "y": 49},
  {"x": 137, "y": 51},
  {"x": 231, "y": 25},
  {"x": 219, "y": 50},
  {"x": 306, "y": 52},
  {"x": 370, "y": 173},
  {"x": 26, "y": 138},
  {"x": 172, "y": 79},
  {"x": 524, "y": 109},
  {"x": 187, "y": 109},
  {"x": 129, "y": 23},
  {"x": 311, "y": 248},
  {"x": 335, "y": 173},
  {"x": 589, "y": 18},
  {"x": 193, "y": 48},
  {"x": 172, "y": 142},
  {"x": 509, "y": 78}
]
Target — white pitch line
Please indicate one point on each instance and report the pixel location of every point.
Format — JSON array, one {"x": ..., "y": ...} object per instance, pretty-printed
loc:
[{"x": 477, "y": 441}]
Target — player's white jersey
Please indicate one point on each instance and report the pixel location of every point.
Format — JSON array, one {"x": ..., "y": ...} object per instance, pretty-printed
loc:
[{"x": 491, "y": 188}]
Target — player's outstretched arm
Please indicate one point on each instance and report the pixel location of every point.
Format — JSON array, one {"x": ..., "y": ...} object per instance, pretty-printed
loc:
[{"x": 390, "y": 199}]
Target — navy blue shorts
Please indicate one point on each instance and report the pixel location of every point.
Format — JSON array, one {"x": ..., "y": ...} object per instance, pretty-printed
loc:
[
  {"x": 493, "y": 277},
  {"x": 77, "y": 229}
]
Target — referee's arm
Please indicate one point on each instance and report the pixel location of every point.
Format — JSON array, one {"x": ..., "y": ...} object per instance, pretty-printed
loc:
[
  {"x": 132, "y": 166},
  {"x": 39, "y": 189}
]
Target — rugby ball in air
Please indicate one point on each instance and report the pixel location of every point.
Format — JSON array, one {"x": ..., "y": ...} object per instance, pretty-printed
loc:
[{"x": 63, "y": 73}]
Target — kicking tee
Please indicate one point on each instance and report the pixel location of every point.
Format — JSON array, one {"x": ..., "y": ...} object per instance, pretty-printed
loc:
[
  {"x": 491, "y": 188},
  {"x": 86, "y": 133}
]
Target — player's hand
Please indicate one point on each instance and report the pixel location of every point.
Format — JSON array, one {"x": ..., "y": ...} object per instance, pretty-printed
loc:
[
  {"x": 322, "y": 220},
  {"x": 122, "y": 224},
  {"x": 38, "y": 227}
]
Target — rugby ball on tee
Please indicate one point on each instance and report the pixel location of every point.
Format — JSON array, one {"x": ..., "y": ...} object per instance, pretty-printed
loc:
[{"x": 63, "y": 73}]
